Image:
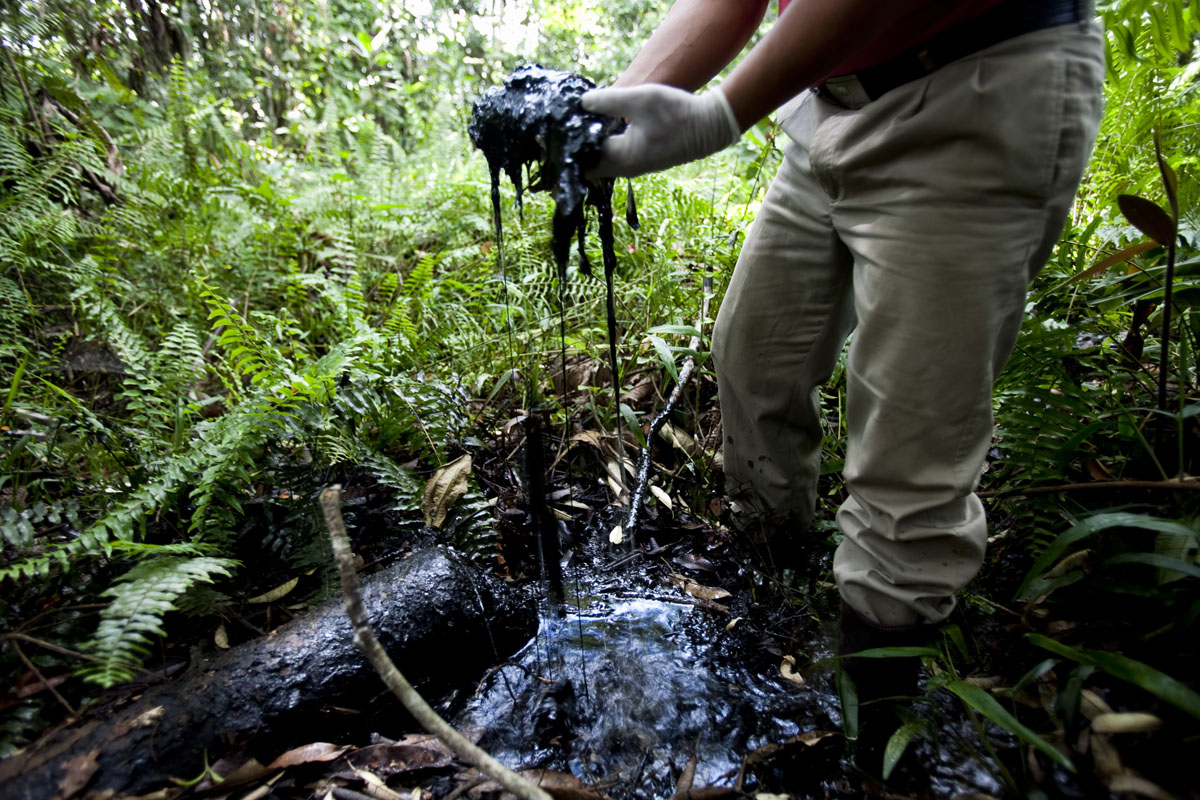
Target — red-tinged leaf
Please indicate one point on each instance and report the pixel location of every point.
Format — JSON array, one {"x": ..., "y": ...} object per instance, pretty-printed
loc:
[
  {"x": 1147, "y": 218},
  {"x": 1169, "y": 179},
  {"x": 1102, "y": 266},
  {"x": 306, "y": 754}
]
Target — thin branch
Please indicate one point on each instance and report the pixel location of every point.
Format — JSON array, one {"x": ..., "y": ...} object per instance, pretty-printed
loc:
[
  {"x": 33, "y": 668},
  {"x": 1173, "y": 484},
  {"x": 52, "y": 647},
  {"x": 364, "y": 639},
  {"x": 34, "y": 119},
  {"x": 643, "y": 470}
]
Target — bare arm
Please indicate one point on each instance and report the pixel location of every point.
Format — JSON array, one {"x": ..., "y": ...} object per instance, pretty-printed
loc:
[
  {"x": 670, "y": 125},
  {"x": 699, "y": 37},
  {"x": 695, "y": 42}
]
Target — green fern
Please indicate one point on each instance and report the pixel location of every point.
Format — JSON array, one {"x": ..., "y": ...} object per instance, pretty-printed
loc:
[{"x": 141, "y": 598}]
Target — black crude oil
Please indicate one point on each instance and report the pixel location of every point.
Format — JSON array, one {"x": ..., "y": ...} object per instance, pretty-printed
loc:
[
  {"x": 535, "y": 120},
  {"x": 534, "y": 124}
]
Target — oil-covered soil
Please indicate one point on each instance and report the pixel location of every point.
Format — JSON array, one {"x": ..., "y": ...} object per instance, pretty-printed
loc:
[{"x": 692, "y": 662}]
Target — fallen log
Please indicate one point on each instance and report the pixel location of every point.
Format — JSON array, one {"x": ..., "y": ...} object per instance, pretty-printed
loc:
[{"x": 436, "y": 615}]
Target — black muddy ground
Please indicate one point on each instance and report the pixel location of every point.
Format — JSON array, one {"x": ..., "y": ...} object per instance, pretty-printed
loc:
[{"x": 647, "y": 665}]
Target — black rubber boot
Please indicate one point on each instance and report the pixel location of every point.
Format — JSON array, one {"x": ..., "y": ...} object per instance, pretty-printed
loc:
[{"x": 878, "y": 678}]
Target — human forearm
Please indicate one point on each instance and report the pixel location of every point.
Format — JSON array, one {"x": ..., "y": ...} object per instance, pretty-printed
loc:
[{"x": 695, "y": 42}]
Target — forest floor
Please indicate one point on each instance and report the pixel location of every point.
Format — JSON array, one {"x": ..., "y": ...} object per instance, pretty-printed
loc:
[{"x": 687, "y": 664}]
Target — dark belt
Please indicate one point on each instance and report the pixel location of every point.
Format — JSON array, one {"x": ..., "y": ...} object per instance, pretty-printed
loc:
[{"x": 1005, "y": 21}]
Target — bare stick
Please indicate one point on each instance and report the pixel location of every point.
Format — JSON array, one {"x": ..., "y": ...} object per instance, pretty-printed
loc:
[
  {"x": 643, "y": 470},
  {"x": 364, "y": 639},
  {"x": 54, "y": 647},
  {"x": 20, "y": 654}
]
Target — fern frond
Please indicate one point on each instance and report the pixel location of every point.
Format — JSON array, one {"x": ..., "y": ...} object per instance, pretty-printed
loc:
[{"x": 141, "y": 598}]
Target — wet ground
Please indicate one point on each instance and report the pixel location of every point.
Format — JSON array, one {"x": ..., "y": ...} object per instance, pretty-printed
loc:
[{"x": 640, "y": 672}]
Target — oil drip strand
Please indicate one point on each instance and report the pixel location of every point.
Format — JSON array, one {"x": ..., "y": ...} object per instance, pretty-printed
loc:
[{"x": 536, "y": 120}]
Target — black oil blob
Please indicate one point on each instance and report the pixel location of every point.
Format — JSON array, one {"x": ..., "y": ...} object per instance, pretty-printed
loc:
[{"x": 535, "y": 120}]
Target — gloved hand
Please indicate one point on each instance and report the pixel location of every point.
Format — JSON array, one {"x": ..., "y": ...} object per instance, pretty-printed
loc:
[{"x": 667, "y": 126}]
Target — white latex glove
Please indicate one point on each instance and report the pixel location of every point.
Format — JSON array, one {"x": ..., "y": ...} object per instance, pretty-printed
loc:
[{"x": 667, "y": 126}]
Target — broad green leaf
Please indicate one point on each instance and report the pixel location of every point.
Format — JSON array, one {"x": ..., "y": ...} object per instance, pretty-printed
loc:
[
  {"x": 1033, "y": 674},
  {"x": 989, "y": 707},
  {"x": 679, "y": 330},
  {"x": 897, "y": 744},
  {"x": 1169, "y": 179},
  {"x": 1156, "y": 560},
  {"x": 893, "y": 652},
  {"x": 1159, "y": 684},
  {"x": 665, "y": 356},
  {"x": 848, "y": 693},
  {"x": 1035, "y": 585}
]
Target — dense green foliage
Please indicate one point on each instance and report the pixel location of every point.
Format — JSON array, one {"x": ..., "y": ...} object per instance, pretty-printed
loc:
[{"x": 245, "y": 248}]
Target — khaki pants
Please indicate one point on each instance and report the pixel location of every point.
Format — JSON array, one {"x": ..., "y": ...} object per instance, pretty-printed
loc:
[{"x": 917, "y": 221}]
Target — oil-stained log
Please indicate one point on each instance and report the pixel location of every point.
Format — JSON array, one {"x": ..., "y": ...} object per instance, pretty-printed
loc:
[{"x": 440, "y": 620}]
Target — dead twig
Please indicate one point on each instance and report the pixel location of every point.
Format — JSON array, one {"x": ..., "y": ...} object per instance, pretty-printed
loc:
[
  {"x": 643, "y": 471},
  {"x": 32, "y": 668},
  {"x": 364, "y": 639},
  {"x": 51, "y": 646}
]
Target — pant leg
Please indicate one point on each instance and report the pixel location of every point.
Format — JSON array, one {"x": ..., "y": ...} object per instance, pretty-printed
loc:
[
  {"x": 780, "y": 329},
  {"x": 949, "y": 193}
]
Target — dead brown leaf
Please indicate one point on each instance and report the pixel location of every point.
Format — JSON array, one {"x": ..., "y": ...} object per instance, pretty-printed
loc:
[
  {"x": 787, "y": 671},
  {"x": 1126, "y": 722},
  {"x": 1129, "y": 783},
  {"x": 77, "y": 772},
  {"x": 690, "y": 561},
  {"x": 707, "y": 793},
  {"x": 148, "y": 717},
  {"x": 278, "y": 593},
  {"x": 447, "y": 485},
  {"x": 559, "y": 785},
  {"x": 305, "y": 754},
  {"x": 810, "y": 738},
  {"x": 407, "y": 755},
  {"x": 234, "y": 770},
  {"x": 640, "y": 391},
  {"x": 696, "y": 590}
]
